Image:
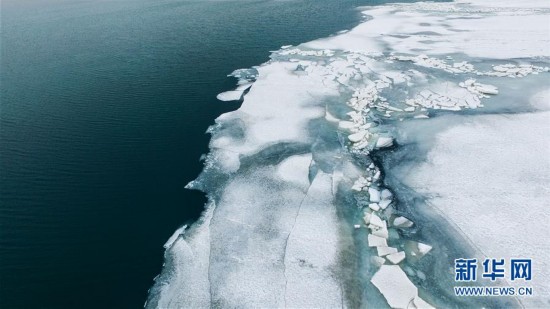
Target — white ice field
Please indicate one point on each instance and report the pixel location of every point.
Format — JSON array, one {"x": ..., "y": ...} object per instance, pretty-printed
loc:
[{"x": 361, "y": 165}]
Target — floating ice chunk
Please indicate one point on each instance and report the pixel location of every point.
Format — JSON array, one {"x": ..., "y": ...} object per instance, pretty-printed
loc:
[
  {"x": 375, "y": 220},
  {"x": 233, "y": 95},
  {"x": 416, "y": 249},
  {"x": 361, "y": 145},
  {"x": 378, "y": 261},
  {"x": 396, "y": 287},
  {"x": 384, "y": 141},
  {"x": 376, "y": 241},
  {"x": 488, "y": 89},
  {"x": 423, "y": 248},
  {"x": 396, "y": 258},
  {"x": 381, "y": 232},
  {"x": 346, "y": 125},
  {"x": 477, "y": 88},
  {"x": 374, "y": 206},
  {"x": 359, "y": 184},
  {"x": 374, "y": 195},
  {"x": 367, "y": 218},
  {"x": 385, "y": 194},
  {"x": 419, "y": 303},
  {"x": 356, "y": 137},
  {"x": 383, "y": 251},
  {"x": 402, "y": 222},
  {"x": 384, "y": 204},
  {"x": 376, "y": 176}
]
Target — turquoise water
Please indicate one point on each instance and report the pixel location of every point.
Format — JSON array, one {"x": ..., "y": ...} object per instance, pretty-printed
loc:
[{"x": 104, "y": 105}]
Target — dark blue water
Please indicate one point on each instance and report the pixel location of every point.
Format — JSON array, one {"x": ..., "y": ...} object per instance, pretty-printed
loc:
[{"x": 104, "y": 105}]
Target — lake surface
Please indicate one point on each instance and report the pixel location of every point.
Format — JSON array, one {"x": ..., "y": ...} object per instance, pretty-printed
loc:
[{"x": 104, "y": 105}]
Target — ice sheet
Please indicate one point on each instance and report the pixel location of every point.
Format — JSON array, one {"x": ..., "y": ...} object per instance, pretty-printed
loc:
[
  {"x": 296, "y": 197},
  {"x": 513, "y": 29},
  {"x": 491, "y": 177}
]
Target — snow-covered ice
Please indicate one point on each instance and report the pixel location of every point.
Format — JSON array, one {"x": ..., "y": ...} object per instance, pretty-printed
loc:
[
  {"x": 491, "y": 177},
  {"x": 293, "y": 176}
]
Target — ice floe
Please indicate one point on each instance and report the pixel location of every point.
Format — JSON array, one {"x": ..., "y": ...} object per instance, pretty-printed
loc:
[
  {"x": 402, "y": 222},
  {"x": 396, "y": 287},
  {"x": 396, "y": 258}
]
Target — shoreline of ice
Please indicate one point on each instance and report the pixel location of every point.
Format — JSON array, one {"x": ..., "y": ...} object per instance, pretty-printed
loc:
[{"x": 300, "y": 214}]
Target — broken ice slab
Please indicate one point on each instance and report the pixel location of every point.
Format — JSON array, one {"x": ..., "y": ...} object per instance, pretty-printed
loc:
[
  {"x": 356, "y": 137},
  {"x": 402, "y": 222},
  {"x": 378, "y": 261},
  {"x": 383, "y": 251},
  {"x": 395, "y": 286},
  {"x": 478, "y": 88},
  {"x": 423, "y": 248},
  {"x": 381, "y": 232},
  {"x": 384, "y": 141},
  {"x": 386, "y": 194},
  {"x": 376, "y": 241},
  {"x": 375, "y": 220},
  {"x": 374, "y": 206},
  {"x": 367, "y": 218},
  {"x": 346, "y": 125},
  {"x": 384, "y": 204},
  {"x": 233, "y": 95},
  {"x": 396, "y": 258},
  {"x": 374, "y": 195},
  {"x": 487, "y": 89},
  {"x": 417, "y": 249}
]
